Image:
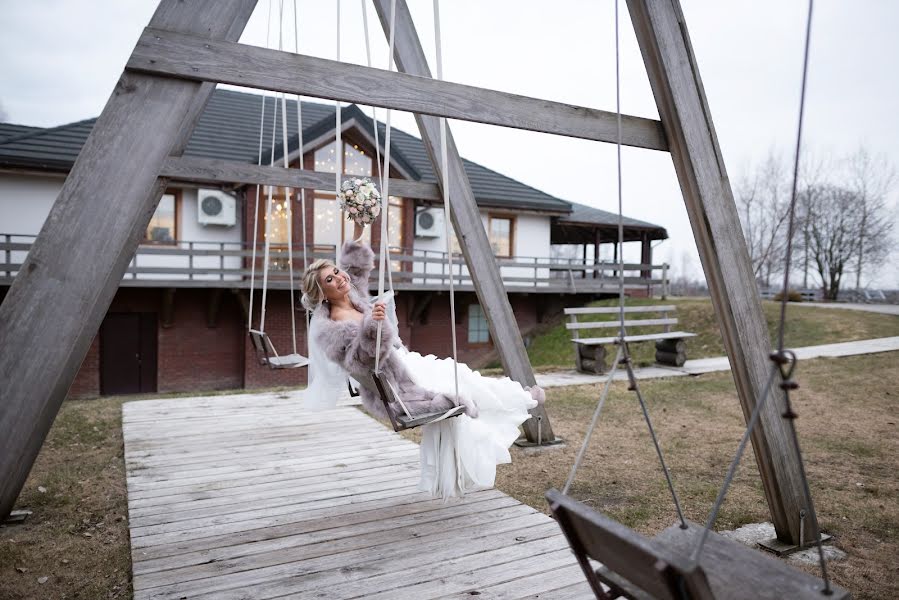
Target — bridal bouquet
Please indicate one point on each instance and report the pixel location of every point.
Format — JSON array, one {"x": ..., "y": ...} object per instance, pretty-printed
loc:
[{"x": 360, "y": 199}]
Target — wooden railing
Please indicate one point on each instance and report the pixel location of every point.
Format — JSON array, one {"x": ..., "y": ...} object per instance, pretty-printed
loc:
[{"x": 212, "y": 264}]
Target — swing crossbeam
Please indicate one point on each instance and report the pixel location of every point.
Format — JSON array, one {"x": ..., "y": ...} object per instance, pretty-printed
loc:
[{"x": 633, "y": 566}]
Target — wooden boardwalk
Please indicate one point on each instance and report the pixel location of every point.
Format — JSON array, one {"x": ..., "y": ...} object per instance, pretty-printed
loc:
[{"x": 239, "y": 497}]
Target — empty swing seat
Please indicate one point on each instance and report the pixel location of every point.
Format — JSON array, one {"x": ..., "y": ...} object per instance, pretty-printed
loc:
[
  {"x": 267, "y": 354},
  {"x": 633, "y": 566}
]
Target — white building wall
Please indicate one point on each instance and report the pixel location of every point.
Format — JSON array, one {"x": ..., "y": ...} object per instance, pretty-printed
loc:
[
  {"x": 26, "y": 200},
  {"x": 194, "y": 235},
  {"x": 531, "y": 239}
]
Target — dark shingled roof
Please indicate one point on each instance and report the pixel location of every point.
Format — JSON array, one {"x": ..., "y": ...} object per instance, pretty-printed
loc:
[
  {"x": 228, "y": 129},
  {"x": 588, "y": 215},
  {"x": 8, "y": 130}
]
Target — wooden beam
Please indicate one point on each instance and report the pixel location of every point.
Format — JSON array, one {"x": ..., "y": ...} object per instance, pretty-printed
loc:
[
  {"x": 217, "y": 172},
  {"x": 57, "y": 301},
  {"x": 674, "y": 77},
  {"x": 201, "y": 59},
  {"x": 466, "y": 218}
]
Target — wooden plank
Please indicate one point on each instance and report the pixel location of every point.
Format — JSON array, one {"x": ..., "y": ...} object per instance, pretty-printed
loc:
[
  {"x": 189, "y": 514},
  {"x": 162, "y": 540},
  {"x": 197, "y": 58},
  {"x": 294, "y": 489},
  {"x": 541, "y": 585},
  {"x": 282, "y": 545},
  {"x": 611, "y": 310},
  {"x": 351, "y": 556},
  {"x": 466, "y": 216},
  {"x": 230, "y": 489},
  {"x": 674, "y": 76},
  {"x": 631, "y": 323},
  {"x": 218, "y": 172},
  {"x": 317, "y": 577},
  {"x": 739, "y": 572},
  {"x": 473, "y": 574},
  {"x": 145, "y": 120},
  {"x": 252, "y": 517}
]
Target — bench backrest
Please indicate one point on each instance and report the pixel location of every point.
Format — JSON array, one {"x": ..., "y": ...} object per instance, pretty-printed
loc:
[{"x": 664, "y": 321}]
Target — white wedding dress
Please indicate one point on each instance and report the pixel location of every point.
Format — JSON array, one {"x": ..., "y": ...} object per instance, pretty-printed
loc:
[{"x": 460, "y": 454}]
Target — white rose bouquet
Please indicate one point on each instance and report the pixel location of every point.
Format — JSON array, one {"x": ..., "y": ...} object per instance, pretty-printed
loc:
[{"x": 360, "y": 199}]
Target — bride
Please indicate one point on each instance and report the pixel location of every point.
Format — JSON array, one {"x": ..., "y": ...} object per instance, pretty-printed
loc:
[{"x": 457, "y": 455}]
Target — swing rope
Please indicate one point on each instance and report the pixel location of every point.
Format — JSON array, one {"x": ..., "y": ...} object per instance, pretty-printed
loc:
[
  {"x": 258, "y": 186},
  {"x": 623, "y": 355},
  {"x": 374, "y": 118},
  {"x": 288, "y": 200},
  {"x": 784, "y": 360},
  {"x": 296, "y": 49},
  {"x": 385, "y": 194},
  {"x": 444, "y": 190}
]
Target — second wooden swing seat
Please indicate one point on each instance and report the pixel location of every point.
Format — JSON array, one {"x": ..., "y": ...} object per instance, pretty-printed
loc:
[
  {"x": 265, "y": 351},
  {"x": 634, "y": 566}
]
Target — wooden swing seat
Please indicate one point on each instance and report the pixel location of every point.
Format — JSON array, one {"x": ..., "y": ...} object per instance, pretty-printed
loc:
[
  {"x": 633, "y": 566},
  {"x": 267, "y": 355},
  {"x": 401, "y": 422}
]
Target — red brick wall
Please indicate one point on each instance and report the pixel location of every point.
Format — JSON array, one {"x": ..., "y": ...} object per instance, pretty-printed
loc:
[
  {"x": 87, "y": 381},
  {"x": 194, "y": 356},
  {"x": 278, "y": 328}
]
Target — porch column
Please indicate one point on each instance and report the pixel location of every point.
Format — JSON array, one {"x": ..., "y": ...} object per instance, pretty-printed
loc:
[
  {"x": 596, "y": 240},
  {"x": 646, "y": 256}
]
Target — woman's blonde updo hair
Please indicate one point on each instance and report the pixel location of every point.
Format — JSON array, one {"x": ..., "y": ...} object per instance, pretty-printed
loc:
[{"x": 313, "y": 295}]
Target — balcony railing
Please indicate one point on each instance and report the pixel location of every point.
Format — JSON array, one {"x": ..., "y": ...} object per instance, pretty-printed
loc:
[{"x": 228, "y": 264}]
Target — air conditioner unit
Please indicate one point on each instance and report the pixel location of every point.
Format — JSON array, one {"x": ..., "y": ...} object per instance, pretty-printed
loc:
[
  {"x": 215, "y": 207},
  {"x": 429, "y": 223}
]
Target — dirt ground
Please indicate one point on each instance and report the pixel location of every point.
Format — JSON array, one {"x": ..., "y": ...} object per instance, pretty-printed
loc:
[
  {"x": 76, "y": 544},
  {"x": 849, "y": 431}
]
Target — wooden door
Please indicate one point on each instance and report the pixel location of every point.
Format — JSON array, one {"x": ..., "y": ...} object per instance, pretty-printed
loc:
[{"x": 128, "y": 353}]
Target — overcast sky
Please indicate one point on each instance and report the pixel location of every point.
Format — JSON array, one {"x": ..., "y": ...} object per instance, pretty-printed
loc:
[{"x": 60, "y": 59}]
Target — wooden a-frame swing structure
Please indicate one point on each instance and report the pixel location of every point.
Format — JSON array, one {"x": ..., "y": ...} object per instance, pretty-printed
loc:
[{"x": 59, "y": 298}]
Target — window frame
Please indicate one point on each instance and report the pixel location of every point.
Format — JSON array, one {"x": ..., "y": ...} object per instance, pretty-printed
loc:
[
  {"x": 177, "y": 195},
  {"x": 512, "y": 224},
  {"x": 483, "y": 315}
]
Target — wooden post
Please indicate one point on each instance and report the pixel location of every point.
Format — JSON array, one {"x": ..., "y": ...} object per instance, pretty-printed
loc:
[
  {"x": 646, "y": 255},
  {"x": 54, "y": 307},
  {"x": 466, "y": 219},
  {"x": 596, "y": 240},
  {"x": 677, "y": 87},
  {"x": 664, "y": 281}
]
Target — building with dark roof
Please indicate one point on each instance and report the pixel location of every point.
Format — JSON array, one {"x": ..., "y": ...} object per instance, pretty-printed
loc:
[{"x": 189, "y": 281}]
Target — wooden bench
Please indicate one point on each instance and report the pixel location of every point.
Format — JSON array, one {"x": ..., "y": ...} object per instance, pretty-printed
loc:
[{"x": 590, "y": 352}]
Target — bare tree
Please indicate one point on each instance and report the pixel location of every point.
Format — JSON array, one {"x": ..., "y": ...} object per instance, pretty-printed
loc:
[
  {"x": 871, "y": 179},
  {"x": 3, "y": 115},
  {"x": 763, "y": 205},
  {"x": 833, "y": 222}
]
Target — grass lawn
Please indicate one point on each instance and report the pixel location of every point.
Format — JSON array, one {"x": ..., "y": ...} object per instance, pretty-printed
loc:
[
  {"x": 849, "y": 430},
  {"x": 77, "y": 537},
  {"x": 806, "y": 326}
]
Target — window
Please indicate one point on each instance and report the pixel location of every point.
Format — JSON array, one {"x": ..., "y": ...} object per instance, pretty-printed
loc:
[
  {"x": 276, "y": 227},
  {"x": 162, "y": 227},
  {"x": 478, "y": 331},
  {"x": 355, "y": 160},
  {"x": 327, "y": 230},
  {"x": 500, "y": 233}
]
